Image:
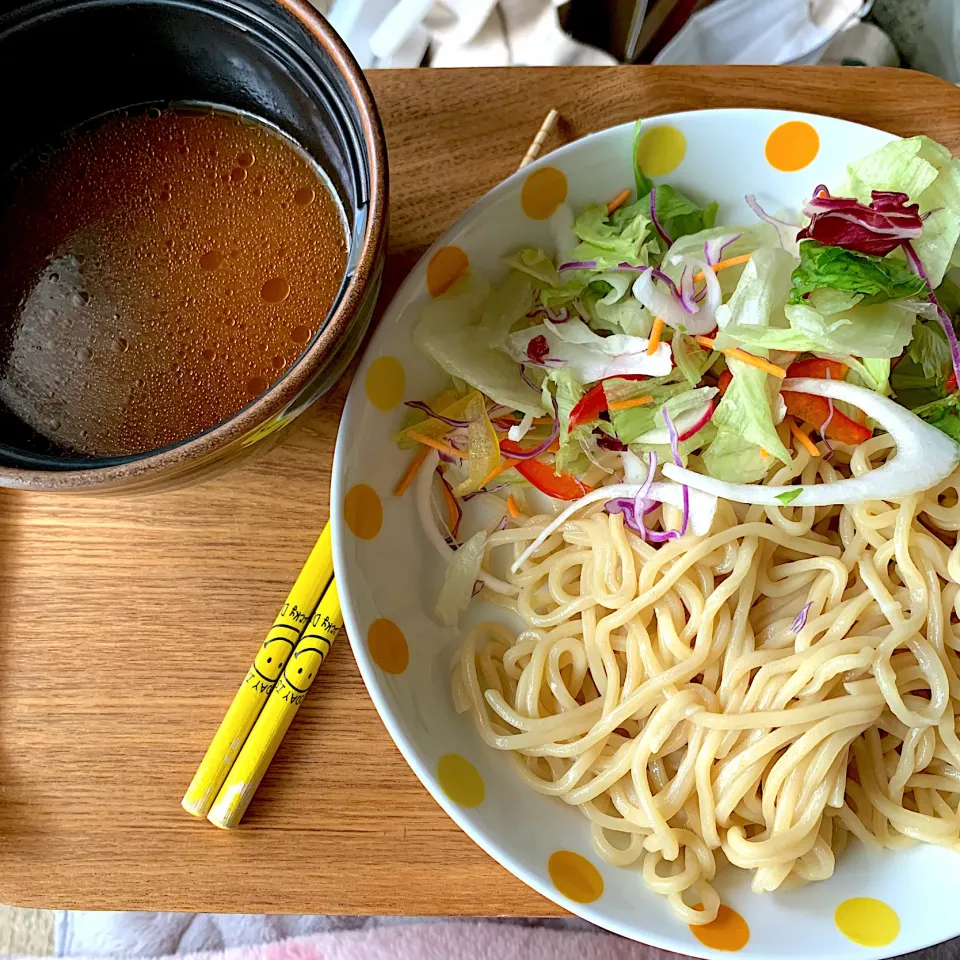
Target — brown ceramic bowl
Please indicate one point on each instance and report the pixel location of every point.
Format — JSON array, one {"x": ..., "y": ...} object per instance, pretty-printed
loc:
[{"x": 279, "y": 60}]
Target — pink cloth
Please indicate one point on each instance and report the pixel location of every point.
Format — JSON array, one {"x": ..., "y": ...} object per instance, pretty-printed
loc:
[{"x": 453, "y": 940}]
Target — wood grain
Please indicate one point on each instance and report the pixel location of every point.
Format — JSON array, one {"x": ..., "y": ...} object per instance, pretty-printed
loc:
[{"x": 126, "y": 624}]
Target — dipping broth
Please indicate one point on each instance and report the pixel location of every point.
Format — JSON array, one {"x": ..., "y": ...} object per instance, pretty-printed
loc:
[{"x": 158, "y": 272}]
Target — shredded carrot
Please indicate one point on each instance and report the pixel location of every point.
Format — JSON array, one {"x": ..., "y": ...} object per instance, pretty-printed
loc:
[
  {"x": 438, "y": 445},
  {"x": 757, "y": 362},
  {"x": 512, "y": 507},
  {"x": 415, "y": 464},
  {"x": 723, "y": 264},
  {"x": 627, "y": 404},
  {"x": 655, "y": 335},
  {"x": 747, "y": 358},
  {"x": 451, "y": 502},
  {"x": 803, "y": 439},
  {"x": 618, "y": 201},
  {"x": 505, "y": 465},
  {"x": 764, "y": 454}
]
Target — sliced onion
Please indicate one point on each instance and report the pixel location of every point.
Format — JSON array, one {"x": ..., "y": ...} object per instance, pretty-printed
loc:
[
  {"x": 786, "y": 232},
  {"x": 703, "y": 507},
  {"x": 713, "y": 249},
  {"x": 427, "y": 522},
  {"x": 925, "y": 457},
  {"x": 578, "y": 265},
  {"x": 519, "y": 430},
  {"x": 535, "y": 452}
]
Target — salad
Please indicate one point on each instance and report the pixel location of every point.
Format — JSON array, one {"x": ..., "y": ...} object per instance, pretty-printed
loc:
[{"x": 651, "y": 337}]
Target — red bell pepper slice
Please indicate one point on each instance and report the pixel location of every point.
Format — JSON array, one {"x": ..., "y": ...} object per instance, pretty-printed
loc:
[
  {"x": 589, "y": 407},
  {"x": 563, "y": 486},
  {"x": 815, "y": 410},
  {"x": 951, "y": 384},
  {"x": 818, "y": 369}
]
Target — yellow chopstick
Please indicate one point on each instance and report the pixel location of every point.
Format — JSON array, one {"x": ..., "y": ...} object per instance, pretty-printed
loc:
[
  {"x": 261, "y": 678},
  {"x": 268, "y": 732}
]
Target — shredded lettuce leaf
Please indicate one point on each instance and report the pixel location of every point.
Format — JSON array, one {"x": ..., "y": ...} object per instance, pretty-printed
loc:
[
  {"x": 633, "y": 422},
  {"x": 641, "y": 181},
  {"x": 449, "y": 334},
  {"x": 878, "y": 370},
  {"x": 505, "y": 306},
  {"x": 920, "y": 377},
  {"x": 930, "y": 349},
  {"x": 691, "y": 359},
  {"x": 944, "y": 414},
  {"x": 744, "y": 417},
  {"x": 765, "y": 321},
  {"x": 568, "y": 390},
  {"x": 536, "y": 263},
  {"x": 680, "y": 216}
]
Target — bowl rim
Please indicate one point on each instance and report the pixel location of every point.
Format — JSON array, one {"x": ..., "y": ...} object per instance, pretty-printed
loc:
[{"x": 285, "y": 391}]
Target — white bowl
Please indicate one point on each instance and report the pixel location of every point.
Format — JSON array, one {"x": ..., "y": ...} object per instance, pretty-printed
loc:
[{"x": 390, "y": 576}]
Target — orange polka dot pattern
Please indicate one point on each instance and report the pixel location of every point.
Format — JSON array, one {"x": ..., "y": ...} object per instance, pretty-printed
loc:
[
  {"x": 388, "y": 646},
  {"x": 729, "y": 931},
  {"x": 444, "y": 267},
  {"x": 792, "y": 146},
  {"x": 575, "y": 876},
  {"x": 363, "y": 511},
  {"x": 542, "y": 192}
]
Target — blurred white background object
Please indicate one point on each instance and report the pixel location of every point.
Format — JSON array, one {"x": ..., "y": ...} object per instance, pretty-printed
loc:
[
  {"x": 458, "y": 33},
  {"x": 762, "y": 31}
]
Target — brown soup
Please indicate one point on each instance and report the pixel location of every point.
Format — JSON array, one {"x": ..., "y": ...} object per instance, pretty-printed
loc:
[{"x": 158, "y": 272}]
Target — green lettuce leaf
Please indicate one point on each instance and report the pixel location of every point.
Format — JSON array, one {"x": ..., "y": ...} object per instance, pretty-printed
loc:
[
  {"x": 506, "y": 305},
  {"x": 680, "y": 216},
  {"x": 568, "y": 390},
  {"x": 878, "y": 331},
  {"x": 641, "y": 181},
  {"x": 702, "y": 438},
  {"x": 874, "y": 279},
  {"x": 611, "y": 240},
  {"x": 878, "y": 370},
  {"x": 691, "y": 359},
  {"x": 636, "y": 421},
  {"x": 929, "y": 348},
  {"x": 929, "y": 174},
  {"x": 920, "y": 377},
  {"x": 747, "y": 411},
  {"x": 944, "y": 414},
  {"x": 744, "y": 417},
  {"x": 536, "y": 263},
  {"x": 733, "y": 458}
]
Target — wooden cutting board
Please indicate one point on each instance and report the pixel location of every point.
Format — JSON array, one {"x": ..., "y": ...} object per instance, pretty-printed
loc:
[{"x": 127, "y": 624}]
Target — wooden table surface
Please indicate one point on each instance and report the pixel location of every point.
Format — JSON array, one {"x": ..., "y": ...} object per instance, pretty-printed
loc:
[{"x": 127, "y": 624}]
